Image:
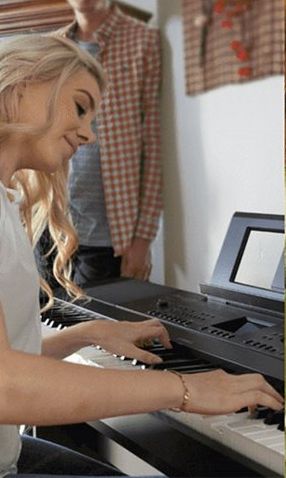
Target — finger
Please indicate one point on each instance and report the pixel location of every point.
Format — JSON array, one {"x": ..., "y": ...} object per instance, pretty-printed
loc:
[
  {"x": 123, "y": 265},
  {"x": 257, "y": 381},
  {"x": 139, "y": 274},
  {"x": 142, "y": 355},
  {"x": 143, "y": 343},
  {"x": 252, "y": 411},
  {"x": 123, "y": 273},
  {"x": 271, "y": 390},
  {"x": 127, "y": 270},
  {"x": 252, "y": 399},
  {"x": 164, "y": 338},
  {"x": 128, "y": 273},
  {"x": 132, "y": 273},
  {"x": 159, "y": 332},
  {"x": 147, "y": 273}
]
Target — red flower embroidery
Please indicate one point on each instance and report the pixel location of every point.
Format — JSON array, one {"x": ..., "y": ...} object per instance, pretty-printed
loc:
[
  {"x": 227, "y": 24},
  {"x": 231, "y": 11},
  {"x": 245, "y": 71},
  {"x": 242, "y": 55},
  {"x": 235, "y": 45},
  {"x": 219, "y": 6}
]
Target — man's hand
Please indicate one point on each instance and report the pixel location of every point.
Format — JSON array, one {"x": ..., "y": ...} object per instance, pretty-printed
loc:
[{"x": 136, "y": 261}]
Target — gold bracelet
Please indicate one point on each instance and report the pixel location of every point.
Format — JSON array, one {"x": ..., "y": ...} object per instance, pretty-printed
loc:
[{"x": 186, "y": 396}]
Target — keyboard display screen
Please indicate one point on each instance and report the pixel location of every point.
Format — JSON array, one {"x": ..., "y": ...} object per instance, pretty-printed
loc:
[{"x": 243, "y": 326}]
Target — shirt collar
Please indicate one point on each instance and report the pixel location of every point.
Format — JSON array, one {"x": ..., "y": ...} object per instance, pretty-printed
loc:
[
  {"x": 12, "y": 194},
  {"x": 104, "y": 31}
]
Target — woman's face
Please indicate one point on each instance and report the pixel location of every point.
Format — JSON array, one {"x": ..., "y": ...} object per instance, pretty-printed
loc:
[{"x": 71, "y": 126}]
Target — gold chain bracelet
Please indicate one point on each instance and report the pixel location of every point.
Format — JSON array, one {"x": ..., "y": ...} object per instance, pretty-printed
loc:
[{"x": 186, "y": 396}]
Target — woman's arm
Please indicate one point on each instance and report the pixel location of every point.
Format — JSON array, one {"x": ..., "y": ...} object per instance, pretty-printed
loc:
[
  {"x": 121, "y": 338},
  {"x": 43, "y": 391}
]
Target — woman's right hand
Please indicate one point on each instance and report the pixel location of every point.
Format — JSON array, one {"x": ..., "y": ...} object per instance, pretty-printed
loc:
[{"x": 219, "y": 393}]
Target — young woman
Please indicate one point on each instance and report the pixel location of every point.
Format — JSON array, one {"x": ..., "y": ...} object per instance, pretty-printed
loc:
[{"x": 49, "y": 91}]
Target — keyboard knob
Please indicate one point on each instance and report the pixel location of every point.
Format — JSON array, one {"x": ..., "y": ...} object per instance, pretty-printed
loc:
[{"x": 162, "y": 303}]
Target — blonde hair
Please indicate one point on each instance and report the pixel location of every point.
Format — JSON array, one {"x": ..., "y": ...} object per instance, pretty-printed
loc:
[{"x": 38, "y": 58}]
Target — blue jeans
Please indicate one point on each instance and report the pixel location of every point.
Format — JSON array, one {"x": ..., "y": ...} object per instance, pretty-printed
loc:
[{"x": 43, "y": 457}]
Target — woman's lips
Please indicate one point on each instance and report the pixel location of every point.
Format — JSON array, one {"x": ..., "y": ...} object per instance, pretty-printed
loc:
[{"x": 71, "y": 144}]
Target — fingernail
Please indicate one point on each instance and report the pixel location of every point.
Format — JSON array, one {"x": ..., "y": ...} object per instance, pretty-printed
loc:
[{"x": 157, "y": 360}]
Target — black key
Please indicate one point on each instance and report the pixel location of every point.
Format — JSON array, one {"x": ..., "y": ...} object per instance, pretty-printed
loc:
[
  {"x": 166, "y": 354},
  {"x": 274, "y": 417},
  {"x": 260, "y": 412},
  {"x": 200, "y": 369},
  {"x": 242, "y": 410},
  {"x": 281, "y": 426},
  {"x": 155, "y": 347},
  {"x": 170, "y": 364}
]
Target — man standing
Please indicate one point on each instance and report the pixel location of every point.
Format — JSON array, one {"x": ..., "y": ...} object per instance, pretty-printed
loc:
[{"x": 115, "y": 184}]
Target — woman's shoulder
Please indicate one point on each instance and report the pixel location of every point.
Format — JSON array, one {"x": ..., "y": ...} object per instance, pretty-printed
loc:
[
  {"x": 7, "y": 198},
  {"x": 3, "y": 201}
]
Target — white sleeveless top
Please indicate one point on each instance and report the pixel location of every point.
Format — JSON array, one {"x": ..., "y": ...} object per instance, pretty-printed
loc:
[{"x": 19, "y": 296}]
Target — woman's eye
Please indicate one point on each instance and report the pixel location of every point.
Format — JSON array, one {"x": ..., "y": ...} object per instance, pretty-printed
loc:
[{"x": 80, "y": 110}]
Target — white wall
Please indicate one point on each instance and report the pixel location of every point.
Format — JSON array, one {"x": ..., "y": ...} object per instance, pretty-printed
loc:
[{"x": 222, "y": 152}]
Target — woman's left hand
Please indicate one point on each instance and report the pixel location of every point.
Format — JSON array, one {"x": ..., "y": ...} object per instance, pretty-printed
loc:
[{"x": 125, "y": 338}]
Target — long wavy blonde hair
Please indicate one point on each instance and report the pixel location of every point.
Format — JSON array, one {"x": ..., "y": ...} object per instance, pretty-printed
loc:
[{"x": 38, "y": 58}]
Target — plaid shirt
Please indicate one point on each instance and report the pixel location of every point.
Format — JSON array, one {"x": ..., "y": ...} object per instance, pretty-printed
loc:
[{"x": 129, "y": 129}]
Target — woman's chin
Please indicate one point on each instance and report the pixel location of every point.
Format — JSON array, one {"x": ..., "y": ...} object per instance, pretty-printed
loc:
[{"x": 54, "y": 167}]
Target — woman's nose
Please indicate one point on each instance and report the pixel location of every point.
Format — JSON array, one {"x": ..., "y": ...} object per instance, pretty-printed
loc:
[{"x": 86, "y": 135}]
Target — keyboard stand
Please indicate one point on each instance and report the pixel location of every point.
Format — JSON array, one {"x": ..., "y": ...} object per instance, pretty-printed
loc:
[{"x": 172, "y": 452}]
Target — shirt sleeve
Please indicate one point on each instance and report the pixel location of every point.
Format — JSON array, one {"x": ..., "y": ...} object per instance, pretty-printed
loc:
[{"x": 150, "y": 205}]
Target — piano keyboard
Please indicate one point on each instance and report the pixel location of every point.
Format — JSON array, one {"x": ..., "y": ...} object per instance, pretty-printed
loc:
[{"x": 260, "y": 438}]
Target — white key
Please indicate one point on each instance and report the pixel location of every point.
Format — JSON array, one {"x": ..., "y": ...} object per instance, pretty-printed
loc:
[{"x": 240, "y": 433}]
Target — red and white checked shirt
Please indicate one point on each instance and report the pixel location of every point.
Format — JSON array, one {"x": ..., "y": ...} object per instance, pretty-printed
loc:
[{"x": 129, "y": 127}]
